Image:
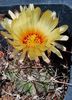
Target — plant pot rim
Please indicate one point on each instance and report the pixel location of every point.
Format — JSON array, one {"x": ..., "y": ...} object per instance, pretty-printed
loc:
[{"x": 65, "y": 3}]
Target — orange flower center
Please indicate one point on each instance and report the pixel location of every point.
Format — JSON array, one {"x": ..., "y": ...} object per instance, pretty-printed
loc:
[{"x": 33, "y": 38}]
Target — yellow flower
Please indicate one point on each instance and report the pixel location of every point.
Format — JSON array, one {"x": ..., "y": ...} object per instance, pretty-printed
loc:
[{"x": 33, "y": 32}]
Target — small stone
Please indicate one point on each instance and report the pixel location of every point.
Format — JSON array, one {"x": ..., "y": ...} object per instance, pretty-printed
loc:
[{"x": 30, "y": 78}]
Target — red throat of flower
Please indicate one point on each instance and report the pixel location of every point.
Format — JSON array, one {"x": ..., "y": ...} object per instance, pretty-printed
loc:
[{"x": 31, "y": 38}]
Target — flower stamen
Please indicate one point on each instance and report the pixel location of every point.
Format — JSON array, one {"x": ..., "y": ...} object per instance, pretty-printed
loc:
[{"x": 31, "y": 39}]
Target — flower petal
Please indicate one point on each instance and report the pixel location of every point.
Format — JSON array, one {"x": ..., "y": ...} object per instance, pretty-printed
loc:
[
  {"x": 7, "y": 24},
  {"x": 60, "y": 46},
  {"x": 23, "y": 55},
  {"x": 21, "y": 8},
  {"x": 64, "y": 38},
  {"x": 56, "y": 51},
  {"x": 18, "y": 26},
  {"x": 45, "y": 58},
  {"x": 63, "y": 28},
  {"x": 16, "y": 45},
  {"x": 33, "y": 53},
  {"x": 49, "y": 20},
  {"x": 16, "y": 14},
  {"x": 11, "y": 14},
  {"x": 6, "y": 35},
  {"x": 55, "y": 34},
  {"x": 31, "y": 6},
  {"x": 36, "y": 15},
  {"x": 45, "y": 18}
]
